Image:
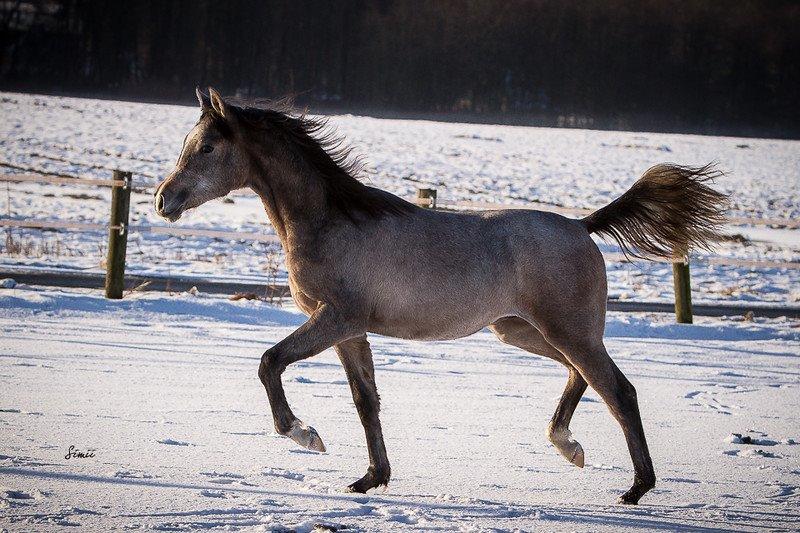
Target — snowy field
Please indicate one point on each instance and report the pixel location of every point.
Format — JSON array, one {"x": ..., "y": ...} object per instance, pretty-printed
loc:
[
  {"x": 163, "y": 391},
  {"x": 513, "y": 165}
]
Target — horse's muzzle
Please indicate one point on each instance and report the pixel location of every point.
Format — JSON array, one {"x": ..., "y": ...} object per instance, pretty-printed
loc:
[{"x": 169, "y": 205}]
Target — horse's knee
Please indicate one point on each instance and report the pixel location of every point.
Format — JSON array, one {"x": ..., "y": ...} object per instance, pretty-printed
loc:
[
  {"x": 271, "y": 364},
  {"x": 262, "y": 371},
  {"x": 365, "y": 397}
]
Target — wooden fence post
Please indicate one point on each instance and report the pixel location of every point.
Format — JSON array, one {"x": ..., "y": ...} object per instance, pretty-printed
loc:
[
  {"x": 118, "y": 235},
  {"x": 683, "y": 291},
  {"x": 426, "y": 198}
]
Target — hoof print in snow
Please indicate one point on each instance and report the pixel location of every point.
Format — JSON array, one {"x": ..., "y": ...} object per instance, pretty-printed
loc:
[
  {"x": 739, "y": 438},
  {"x": 224, "y": 478},
  {"x": 10, "y": 498},
  {"x": 286, "y": 474},
  {"x": 213, "y": 493},
  {"x": 321, "y": 528},
  {"x": 173, "y": 442},
  {"x": 752, "y": 453},
  {"x": 734, "y": 438}
]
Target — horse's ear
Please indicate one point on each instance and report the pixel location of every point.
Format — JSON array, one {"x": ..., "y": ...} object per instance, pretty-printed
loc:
[
  {"x": 203, "y": 99},
  {"x": 218, "y": 104}
]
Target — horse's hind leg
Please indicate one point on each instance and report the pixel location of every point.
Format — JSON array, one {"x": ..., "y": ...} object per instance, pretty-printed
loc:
[
  {"x": 595, "y": 365},
  {"x": 356, "y": 358},
  {"x": 519, "y": 333},
  {"x": 558, "y": 431}
]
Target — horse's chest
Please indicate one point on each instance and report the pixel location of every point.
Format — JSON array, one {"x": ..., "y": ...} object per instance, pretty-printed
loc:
[
  {"x": 311, "y": 286},
  {"x": 302, "y": 299},
  {"x": 316, "y": 275}
]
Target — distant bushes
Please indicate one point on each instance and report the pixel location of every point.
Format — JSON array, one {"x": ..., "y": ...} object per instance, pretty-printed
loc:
[{"x": 707, "y": 66}]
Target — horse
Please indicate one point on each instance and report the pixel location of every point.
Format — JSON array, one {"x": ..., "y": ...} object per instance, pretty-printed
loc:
[{"x": 362, "y": 261}]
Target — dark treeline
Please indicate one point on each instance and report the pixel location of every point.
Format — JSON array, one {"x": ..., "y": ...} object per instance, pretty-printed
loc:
[{"x": 699, "y": 66}]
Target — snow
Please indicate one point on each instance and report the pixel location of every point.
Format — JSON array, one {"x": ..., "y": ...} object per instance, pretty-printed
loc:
[
  {"x": 163, "y": 390},
  {"x": 159, "y": 397},
  {"x": 513, "y": 165}
]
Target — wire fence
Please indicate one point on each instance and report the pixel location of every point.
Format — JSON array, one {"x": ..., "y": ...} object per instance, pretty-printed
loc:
[
  {"x": 425, "y": 198},
  {"x": 439, "y": 204}
]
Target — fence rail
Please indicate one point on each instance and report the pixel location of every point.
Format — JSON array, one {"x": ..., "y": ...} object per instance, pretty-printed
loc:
[
  {"x": 55, "y": 224},
  {"x": 273, "y": 239},
  {"x": 160, "y": 230},
  {"x": 712, "y": 260},
  {"x": 582, "y": 212},
  {"x": 270, "y": 290},
  {"x": 200, "y": 232},
  {"x": 61, "y": 180},
  {"x": 426, "y": 197},
  {"x": 425, "y": 200}
]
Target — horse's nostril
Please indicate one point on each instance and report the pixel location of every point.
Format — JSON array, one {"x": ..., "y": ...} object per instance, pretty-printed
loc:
[{"x": 159, "y": 202}]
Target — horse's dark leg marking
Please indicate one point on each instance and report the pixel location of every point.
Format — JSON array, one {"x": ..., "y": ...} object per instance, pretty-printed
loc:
[
  {"x": 597, "y": 368},
  {"x": 324, "y": 328},
  {"x": 518, "y": 332},
  {"x": 356, "y": 358}
]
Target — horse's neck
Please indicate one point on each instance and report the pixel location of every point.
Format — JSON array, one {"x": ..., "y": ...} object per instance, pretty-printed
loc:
[{"x": 295, "y": 204}]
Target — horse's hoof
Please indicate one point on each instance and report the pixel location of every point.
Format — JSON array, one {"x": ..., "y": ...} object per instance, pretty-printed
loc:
[
  {"x": 577, "y": 456},
  {"x": 635, "y": 493},
  {"x": 359, "y": 487},
  {"x": 371, "y": 480},
  {"x": 306, "y": 436},
  {"x": 570, "y": 449}
]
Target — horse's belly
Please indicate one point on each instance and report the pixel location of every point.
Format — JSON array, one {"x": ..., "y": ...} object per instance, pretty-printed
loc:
[{"x": 432, "y": 323}]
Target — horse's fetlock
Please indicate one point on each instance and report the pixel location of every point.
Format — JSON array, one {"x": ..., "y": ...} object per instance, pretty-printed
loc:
[
  {"x": 556, "y": 433},
  {"x": 647, "y": 481},
  {"x": 282, "y": 428},
  {"x": 380, "y": 473},
  {"x": 551, "y": 431}
]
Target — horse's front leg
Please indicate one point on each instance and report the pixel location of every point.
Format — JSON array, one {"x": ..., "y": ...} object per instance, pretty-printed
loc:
[
  {"x": 356, "y": 358},
  {"x": 324, "y": 328}
]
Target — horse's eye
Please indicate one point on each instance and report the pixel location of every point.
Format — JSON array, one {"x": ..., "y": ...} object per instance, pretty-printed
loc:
[{"x": 206, "y": 148}]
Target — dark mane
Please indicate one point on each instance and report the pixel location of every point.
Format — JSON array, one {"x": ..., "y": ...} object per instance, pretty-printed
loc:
[{"x": 318, "y": 146}]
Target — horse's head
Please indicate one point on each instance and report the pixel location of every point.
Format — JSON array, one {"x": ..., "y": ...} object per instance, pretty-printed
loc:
[{"x": 211, "y": 164}]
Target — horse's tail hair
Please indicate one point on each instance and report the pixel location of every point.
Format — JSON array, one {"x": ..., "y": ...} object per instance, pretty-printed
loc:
[{"x": 668, "y": 211}]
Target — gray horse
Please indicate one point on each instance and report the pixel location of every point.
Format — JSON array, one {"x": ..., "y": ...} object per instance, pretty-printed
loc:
[{"x": 361, "y": 260}]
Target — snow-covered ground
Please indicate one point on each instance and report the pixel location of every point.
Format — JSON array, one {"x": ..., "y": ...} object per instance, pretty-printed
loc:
[
  {"x": 515, "y": 165},
  {"x": 163, "y": 391}
]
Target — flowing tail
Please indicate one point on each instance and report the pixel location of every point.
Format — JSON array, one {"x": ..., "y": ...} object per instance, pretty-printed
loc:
[{"x": 669, "y": 210}]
